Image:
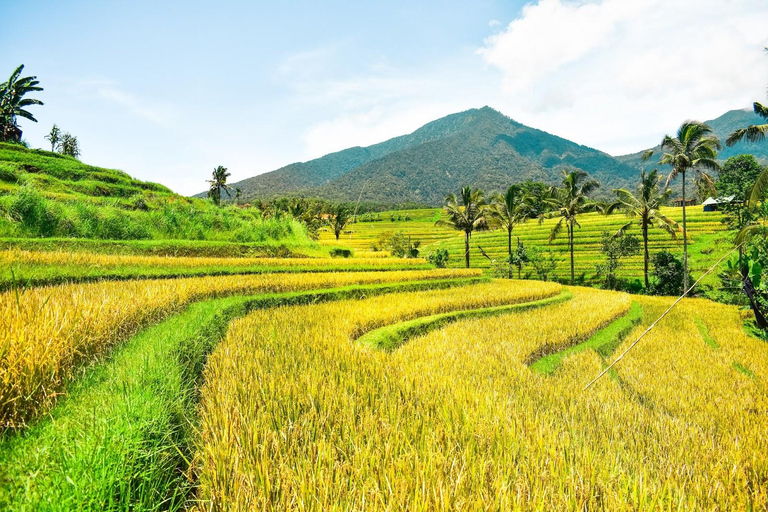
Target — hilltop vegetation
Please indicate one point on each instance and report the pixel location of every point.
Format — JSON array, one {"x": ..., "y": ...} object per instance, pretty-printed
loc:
[{"x": 45, "y": 194}]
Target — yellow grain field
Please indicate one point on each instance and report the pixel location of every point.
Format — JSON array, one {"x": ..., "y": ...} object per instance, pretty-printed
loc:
[
  {"x": 295, "y": 415},
  {"x": 49, "y": 332},
  {"x": 108, "y": 261}
]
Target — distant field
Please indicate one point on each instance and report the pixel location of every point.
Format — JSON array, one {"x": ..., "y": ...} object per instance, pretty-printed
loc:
[{"x": 707, "y": 234}]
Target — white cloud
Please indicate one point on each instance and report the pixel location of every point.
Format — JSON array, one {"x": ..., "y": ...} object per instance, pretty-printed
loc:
[
  {"x": 494, "y": 23},
  {"x": 138, "y": 107},
  {"x": 616, "y": 74}
]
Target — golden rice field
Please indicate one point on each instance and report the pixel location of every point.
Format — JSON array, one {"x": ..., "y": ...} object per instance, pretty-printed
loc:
[
  {"x": 49, "y": 332},
  {"x": 296, "y": 415},
  {"x": 111, "y": 261}
]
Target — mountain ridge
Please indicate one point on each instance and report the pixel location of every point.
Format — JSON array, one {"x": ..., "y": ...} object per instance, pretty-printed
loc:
[{"x": 479, "y": 147}]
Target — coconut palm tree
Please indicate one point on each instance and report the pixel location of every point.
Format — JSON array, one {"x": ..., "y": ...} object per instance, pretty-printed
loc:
[
  {"x": 13, "y": 103},
  {"x": 645, "y": 205},
  {"x": 754, "y": 133},
  {"x": 219, "y": 184},
  {"x": 572, "y": 199},
  {"x": 468, "y": 217},
  {"x": 694, "y": 148},
  {"x": 54, "y": 137},
  {"x": 507, "y": 210},
  {"x": 340, "y": 216}
]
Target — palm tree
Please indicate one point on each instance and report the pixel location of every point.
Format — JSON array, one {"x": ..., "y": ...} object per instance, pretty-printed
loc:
[
  {"x": 754, "y": 133},
  {"x": 54, "y": 137},
  {"x": 693, "y": 148},
  {"x": 645, "y": 205},
  {"x": 507, "y": 210},
  {"x": 219, "y": 184},
  {"x": 340, "y": 218},
  {"x": 572, "y": 199},
  {"x": 13, "y": 103},
  {"x": 467, "y": 217}
]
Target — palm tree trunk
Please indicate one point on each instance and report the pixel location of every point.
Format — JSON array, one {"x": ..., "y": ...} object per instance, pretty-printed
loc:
[
  {"x": 645, "y": 256},
  {"x": 509, "y": 249},
  {"x": 685, "y": 243},
  {"x": 466, "y": 248},
  {"x": 570, "y": 239}
]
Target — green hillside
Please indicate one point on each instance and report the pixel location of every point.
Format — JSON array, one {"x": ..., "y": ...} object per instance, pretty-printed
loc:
[
  {"x": 45, "y": 194},
  {"x": 481, "y": 147}
]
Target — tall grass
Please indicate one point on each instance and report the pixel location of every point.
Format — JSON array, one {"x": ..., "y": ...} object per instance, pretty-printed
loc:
[{"x": 29, "y": 213}]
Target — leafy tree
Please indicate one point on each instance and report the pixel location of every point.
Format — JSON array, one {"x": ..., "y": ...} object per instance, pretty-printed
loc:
[
  {"x": 694, "y": 148},
  {"x": 645, "y": 205},
  {"x": 54, "y": 137},
  {"x": 542, "y": 265},
  {"x": 13, "y": 104},
  {"x": 507, "y": 210},
  {"x": 69, "y": 145},
  {"x": 468, "y": 217},
  {"x": 668, "y": 274},
  {"x": 615, "y": 246},
  {"x": 218, "y": 184},
  {"x": 572, "y": 199},
  {"x": 439, "y": 258},
  {"x": 340, "y": 216},
  {"x": 519, "y": 257}
]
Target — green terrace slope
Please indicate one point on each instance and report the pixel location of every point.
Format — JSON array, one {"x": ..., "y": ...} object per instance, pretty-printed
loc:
[
  {"x": 60, "y": 176},
  {"x": 707, "y": 235},
  {"x": 45, "y": 195}
]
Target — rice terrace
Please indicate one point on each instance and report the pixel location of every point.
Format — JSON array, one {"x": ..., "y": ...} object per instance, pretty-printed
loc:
[{"x": 435, "y": 307}]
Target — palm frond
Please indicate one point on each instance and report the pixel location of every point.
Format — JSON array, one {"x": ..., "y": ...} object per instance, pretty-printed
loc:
[
  {"x": 622, "y": 229},
  {"x": 556, "y": 229},
  {"x": 754, "y": 133},
  {"x": 747, "y": 233},
  {"x": 759, "y": 188}
]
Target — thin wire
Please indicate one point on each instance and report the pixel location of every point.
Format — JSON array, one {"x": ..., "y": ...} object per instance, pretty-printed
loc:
[{"x": 662, "y": 316}]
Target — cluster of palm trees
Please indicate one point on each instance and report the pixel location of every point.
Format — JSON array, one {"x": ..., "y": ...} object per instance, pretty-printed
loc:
[{"x": 693, "y": 149}]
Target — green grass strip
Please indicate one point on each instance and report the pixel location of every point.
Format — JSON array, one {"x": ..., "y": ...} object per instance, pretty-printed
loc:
[
  {"x": 743, "y": 369},
  {"x": 122, "y": 439},
  {"x": 604, "y": 342},
  {"x": 392, "y": 336},
  {"x": 704, "y": 331}
]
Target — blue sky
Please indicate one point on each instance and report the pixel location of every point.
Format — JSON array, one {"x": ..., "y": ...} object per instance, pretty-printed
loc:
[{"x": 167, "y": 91}]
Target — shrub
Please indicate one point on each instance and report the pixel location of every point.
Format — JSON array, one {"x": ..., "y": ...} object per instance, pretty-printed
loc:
[
  {"x": 340, "y": 252},
  {"x": 667, "y": 274},
  {"x": 439, "y": 258}
]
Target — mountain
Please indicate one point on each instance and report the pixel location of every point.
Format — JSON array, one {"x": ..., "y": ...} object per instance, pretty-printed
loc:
[
  {"x": 479, "y": 147},
  {"x": 722, "y": 127}
]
